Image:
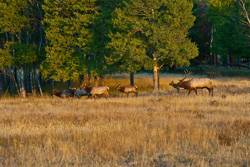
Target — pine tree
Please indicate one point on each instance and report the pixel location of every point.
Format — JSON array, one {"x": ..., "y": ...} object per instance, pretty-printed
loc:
[
  {"x": 68, "y": 30},
  {"x": 151, "y": 34},
  {"x": 13, "y": 22},
  {"x": 101, "y": 28},
  {"x": 200, "y": 32},
  {"x": 227, "y": 40}
]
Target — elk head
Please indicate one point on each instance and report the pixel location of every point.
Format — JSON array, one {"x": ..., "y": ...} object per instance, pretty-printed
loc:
[{"x": 118, "y": 86}]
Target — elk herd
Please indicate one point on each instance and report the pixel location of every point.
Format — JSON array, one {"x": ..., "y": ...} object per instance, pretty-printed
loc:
[{"x": 84, "y": 90}]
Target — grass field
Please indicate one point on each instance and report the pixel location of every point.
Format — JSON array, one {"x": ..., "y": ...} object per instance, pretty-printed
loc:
[{"x": 164, "y": 129}]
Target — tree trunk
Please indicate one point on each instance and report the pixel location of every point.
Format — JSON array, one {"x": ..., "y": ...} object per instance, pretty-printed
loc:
[
  {"x": 156, "y": 79},
  {"x": 81, "y": 79},
  {"x": 156, "y": 70},
  {"x": 53, "y": 84},
  {"x": 89, "y": 77},
  {"x": 20, "y": 73},
  {"x": 21, "y": 82},
  {"x": 131, "y": 76},
  {"x": 95, "y": 81},
  {"x": 231, "y": 59},
  {"x": 1, "y": 83},
  {"x": 101, "y": 81},
  {"x": 32, "y": 85},
  {"x": 217, "y": 60},
  {"x": 249, "y": 62},
  {"x": 39, "y": 85},
  {"x": 10, "y": 71},
  {"x": 5, "y": 79},
  {"x": 68, "y": 84}
]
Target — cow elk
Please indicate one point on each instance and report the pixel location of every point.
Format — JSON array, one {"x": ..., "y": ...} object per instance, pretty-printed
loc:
[
  {"x": 195, "y": 83},
  {"x": 96, "y": 91},
  {"x": 128, "y": 89}
]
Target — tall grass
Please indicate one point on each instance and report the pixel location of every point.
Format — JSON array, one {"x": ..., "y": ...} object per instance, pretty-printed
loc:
[{"x": 164, "y": 129}]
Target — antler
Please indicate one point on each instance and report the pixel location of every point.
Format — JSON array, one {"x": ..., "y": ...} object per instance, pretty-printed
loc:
[{"x": 187, "y": 73}]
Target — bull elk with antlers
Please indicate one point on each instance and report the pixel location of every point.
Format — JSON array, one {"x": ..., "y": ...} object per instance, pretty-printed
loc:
[{"x": 195, "y": 83}]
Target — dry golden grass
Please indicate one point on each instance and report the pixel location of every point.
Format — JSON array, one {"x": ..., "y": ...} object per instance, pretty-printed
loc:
[{"x": 164, "y": 129}]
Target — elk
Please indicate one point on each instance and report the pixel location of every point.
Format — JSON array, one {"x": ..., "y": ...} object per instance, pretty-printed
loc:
[
  {"x": 62, "y": 94},
  {"x": 86, "y": 88},
  {"x": 176, "y": 86},
  {"x": 71, "y": 91},
  {"x": 128, "y": 89},
  {"x": 80, "y": 92},
  {"x": 195, "y": 83},
  {"x": 93, "y": 91}
]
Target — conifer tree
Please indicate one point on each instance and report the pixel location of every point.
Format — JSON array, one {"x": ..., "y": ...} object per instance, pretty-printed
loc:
[
  {"x": 152, "y": 33},
  {"x": 13, "y": 22},
  {"x": 227, "y": 39},
  {"x": 69, "y": 34},
  {"x": 101, "y": 28},
  {"x": 200, "y": 32}
]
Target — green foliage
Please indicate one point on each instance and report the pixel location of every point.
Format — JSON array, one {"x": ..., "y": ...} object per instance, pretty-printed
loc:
[
  {"x": 12, "y": 15},
  {"x": 102, "y": 26},
  {"x": 25, "y": 54},
  {"x": 200, "y": 32},
  {"x": 6, "y": 59},
  {"x": 227, "y": 39},
  {"x": 68, "y": 29},
  {"x": 152, "y": 33}
]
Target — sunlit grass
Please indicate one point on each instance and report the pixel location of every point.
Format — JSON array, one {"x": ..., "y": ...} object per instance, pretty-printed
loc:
[{"x": 164, "y": 129}]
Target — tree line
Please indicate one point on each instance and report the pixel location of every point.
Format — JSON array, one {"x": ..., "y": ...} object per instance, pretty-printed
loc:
[{"x": 64, "y": 40}]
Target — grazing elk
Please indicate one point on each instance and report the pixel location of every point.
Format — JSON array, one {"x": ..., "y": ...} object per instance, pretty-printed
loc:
[
  {"x": 93, "y": 91},
  {"x": 128, "y": 89},
  {"x": 195, "y": 83},
  {"x": 176, "y": 86}
]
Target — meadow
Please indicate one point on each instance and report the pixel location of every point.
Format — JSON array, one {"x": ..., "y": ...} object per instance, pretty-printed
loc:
[{"x": 164, "y": 129}]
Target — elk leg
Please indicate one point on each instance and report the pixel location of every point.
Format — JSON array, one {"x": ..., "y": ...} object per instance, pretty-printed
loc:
[
  {"x": 189, "y": 91},
  {"x": 136, "y": 93},
  {"x": 195, "y": 91},
  {"x": 88, "y": 95},
  {"x": 107, "y": 94},
  {"x": 208, "y": 90},
  {"x": 178, "y": 90}
]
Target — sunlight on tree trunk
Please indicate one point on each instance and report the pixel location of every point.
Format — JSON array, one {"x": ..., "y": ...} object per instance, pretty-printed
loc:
[{"x": 156, "y": 71}]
